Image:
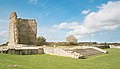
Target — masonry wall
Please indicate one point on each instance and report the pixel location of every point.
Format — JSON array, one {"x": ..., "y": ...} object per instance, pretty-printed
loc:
[
  {"x": 57, "y": 51},
  {"x": 22, "y": 31},
  {"x": 13, "y": 29},
  {"x": 27, "y": 32}
]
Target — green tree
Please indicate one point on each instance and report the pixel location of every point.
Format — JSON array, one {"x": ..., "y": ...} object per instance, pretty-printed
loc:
[{"x": 41, "y": 40}]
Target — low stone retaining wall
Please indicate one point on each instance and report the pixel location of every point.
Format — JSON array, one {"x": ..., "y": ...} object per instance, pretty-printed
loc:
[
  {"x": 22, "y": 50},
  {"x": 101, "y": 50},
  {"x": 70, "y": 52},
  {"x": 73, "y": 51},
  {"x": 112, "y": 46},
  {"x": 56, "y": 51}
]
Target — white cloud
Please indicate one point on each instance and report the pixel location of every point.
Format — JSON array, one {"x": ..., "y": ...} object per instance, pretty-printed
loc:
[
  {"x": 85, "y": 12},
  {"x": 3, "y": 31},
  {"x": 66, "y": 25},
  {"x": 3, "y": 36},
  {"x": 105, "y": 19},
  {"x": 51, "y": 34},
  {"x": 32, "y": 1}
]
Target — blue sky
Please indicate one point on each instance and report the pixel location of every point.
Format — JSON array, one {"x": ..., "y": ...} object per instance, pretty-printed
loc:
[{"x": 57, "y": 19}]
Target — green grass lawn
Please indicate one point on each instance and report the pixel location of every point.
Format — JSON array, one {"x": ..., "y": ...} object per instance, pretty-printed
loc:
[{"x": 105, "y": 61}]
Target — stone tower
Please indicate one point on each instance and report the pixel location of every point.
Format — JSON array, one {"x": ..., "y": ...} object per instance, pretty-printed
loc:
[{"x": 22, "y": 31}]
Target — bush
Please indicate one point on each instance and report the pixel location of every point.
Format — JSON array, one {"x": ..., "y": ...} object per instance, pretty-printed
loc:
[
  {"x": 5, "y": 44},
  {"x": 41, "y": 41}
]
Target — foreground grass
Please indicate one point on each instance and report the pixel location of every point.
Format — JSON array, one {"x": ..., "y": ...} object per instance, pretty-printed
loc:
[{"x": 106, "y": 61}]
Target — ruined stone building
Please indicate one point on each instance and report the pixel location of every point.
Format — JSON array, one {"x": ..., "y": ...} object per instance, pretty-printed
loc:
[{"x": 22, "y": 31}]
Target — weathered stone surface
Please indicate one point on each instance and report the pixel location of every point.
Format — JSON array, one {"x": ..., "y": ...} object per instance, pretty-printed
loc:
[
  {"x": 74, "y": 52},
  {"x": 22, "y": 31}
]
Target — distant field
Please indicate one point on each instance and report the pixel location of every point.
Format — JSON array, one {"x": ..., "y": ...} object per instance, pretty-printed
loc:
[{"x": 106, "y": 61}]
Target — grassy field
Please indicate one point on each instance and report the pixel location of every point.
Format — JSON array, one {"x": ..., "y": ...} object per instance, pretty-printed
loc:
[{"x": 106, "y": 61}]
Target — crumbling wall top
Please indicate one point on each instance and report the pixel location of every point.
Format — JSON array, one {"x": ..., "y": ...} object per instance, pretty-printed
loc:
[
  {"x": 28, "y": 20},
  {"x": 13, "y": 15}
]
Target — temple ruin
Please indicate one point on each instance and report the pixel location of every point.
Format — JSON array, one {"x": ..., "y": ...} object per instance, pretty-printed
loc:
[{"x": 22, "y": 31}]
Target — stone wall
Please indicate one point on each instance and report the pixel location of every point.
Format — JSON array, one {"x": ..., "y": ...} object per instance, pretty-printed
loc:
[
  {"x": 27, "y": 31},
  {"x": 22, "y": 50},
  {"x": 112, "y": 46},
  {"x": 61, "y": 52},
  {"x": 22, "y": 31},
  {"x": 55, "y": 51},
  {"x": 101, "y": 50},
  {"x": 74, "y": 52}
]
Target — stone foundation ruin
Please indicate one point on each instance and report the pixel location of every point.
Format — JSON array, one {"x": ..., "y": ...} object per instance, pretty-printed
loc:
[
  {"x": 22, "y": 41},
  {"x": 72, "y": 51}
]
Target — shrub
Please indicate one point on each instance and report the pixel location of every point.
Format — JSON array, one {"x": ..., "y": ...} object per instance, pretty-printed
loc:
[{"x": 41, "y": 41}]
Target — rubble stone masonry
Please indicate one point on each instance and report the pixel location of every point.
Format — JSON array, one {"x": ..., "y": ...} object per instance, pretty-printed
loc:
[{"x": 22, "y": 31}]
